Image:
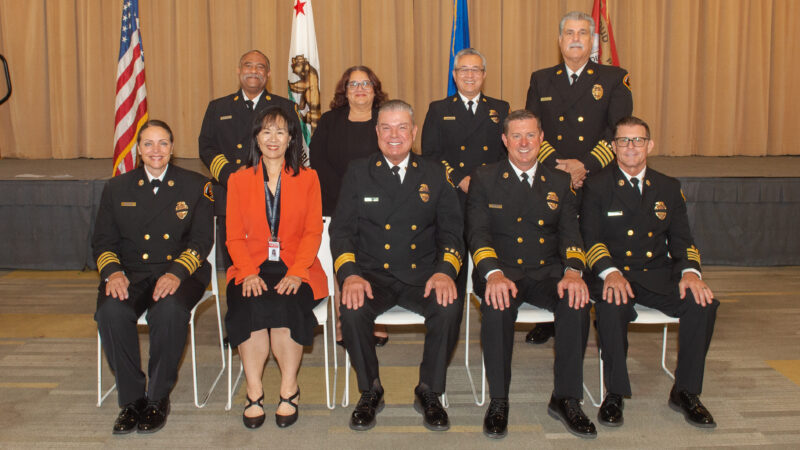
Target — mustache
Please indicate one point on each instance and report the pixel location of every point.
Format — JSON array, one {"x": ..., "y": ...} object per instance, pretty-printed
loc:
[
  {"x": 576, "y": 45},
  {"x": 254, "y": 75}
]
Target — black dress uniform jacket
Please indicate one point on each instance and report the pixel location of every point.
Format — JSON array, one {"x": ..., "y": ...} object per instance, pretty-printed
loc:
[
  {"x": 646, "y": 236},
  {"x": 144, "y": 234},
  {"x": 578, "y": 120},
  {"x": 524, "y": 231},
  {"x": 463, "y": 141},
  {"x": 410, "y": 231},
  {"x": 225, "y": 137}
]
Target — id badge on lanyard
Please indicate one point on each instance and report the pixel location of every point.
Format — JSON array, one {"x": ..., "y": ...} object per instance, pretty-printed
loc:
[{"x": 274, "y": 244}]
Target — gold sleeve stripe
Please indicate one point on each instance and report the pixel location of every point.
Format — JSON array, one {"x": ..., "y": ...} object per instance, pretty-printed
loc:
[
  {"x": 453, "y": 259},
  {"x": 545, "y": 151},
  {"x": 343, "y": 259},
  {"x": 576, "y": 252},
  {"x": 217, "y": 164},
  {"x": 693, "y": 254},
  {"x": 597, "y": 252},
  {"x": 105, "y": 259},
  {"x": 188, "y": 260},
  {"x": 603, "y": 153},
  {"x": 483, "y": 253}
]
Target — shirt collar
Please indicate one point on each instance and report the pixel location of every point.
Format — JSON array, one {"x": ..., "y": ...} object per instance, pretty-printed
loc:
[
  {"x": 577, "y": 72},
  {"x": 464, "y": 98},
  {"x": 639, "y": 175},
  {"x": 256, "y": 99},
  {"x": 403, "y": 164},
  {"x": 159, "y": 178},
  {"x": 531, "y": 172}
]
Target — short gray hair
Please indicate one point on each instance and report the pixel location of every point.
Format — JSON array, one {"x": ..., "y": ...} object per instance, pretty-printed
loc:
[
  {"x": 576, "y": 15},
  {"x": 469, "y": 51},
  {"x": 397, "y": 105}
]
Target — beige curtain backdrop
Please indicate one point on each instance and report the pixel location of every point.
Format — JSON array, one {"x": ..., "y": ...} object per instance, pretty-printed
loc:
[{"x": 713, "y": 77}]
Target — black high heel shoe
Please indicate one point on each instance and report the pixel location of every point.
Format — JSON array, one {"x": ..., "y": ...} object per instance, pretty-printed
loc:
[
  {"x": 254, "y": 422},
  {"x": 285, "y": 421}
]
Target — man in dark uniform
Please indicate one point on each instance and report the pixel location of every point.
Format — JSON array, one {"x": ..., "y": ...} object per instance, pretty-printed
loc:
[
  {"x": 397, "y": 239},
  {"x": 227, "y": 129},
  {"x": 522, "y": 227},
  {"x": 463, "y": 131},
  {"x": 153, "y": 232},
  {"x": 578, "y": 103},
  {"x": 635, "y": 225}
]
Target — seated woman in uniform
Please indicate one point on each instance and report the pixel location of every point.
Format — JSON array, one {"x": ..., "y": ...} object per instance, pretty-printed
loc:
[{"x": 274, "y": 216}]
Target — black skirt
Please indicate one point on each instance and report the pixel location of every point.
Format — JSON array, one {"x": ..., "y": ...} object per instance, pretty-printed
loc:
[{"x": 271, "y": 310}]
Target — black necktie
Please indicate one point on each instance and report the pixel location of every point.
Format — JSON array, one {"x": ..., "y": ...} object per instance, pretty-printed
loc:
[
  {"x": 396, "y": 173},
  {"x": 635, "y": 183},
  {"x": 574, "y": 78},
  {"x": 469, "y": 107},
  {"x": 155, "y": 183},
  {"x": 250, "y": 106},
  {"x": 524, "y": 178}
]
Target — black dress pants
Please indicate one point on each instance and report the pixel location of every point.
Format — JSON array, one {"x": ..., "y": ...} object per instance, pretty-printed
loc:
[
  {"x": 442, "y": 324},
  {"x": 168, "y": 322},
  {"x": 572, "y": 331},
  {"x": 694, "y": 336}
]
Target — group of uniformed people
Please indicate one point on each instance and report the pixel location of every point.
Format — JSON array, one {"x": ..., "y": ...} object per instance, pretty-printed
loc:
[{"x": 554, "y": 205}]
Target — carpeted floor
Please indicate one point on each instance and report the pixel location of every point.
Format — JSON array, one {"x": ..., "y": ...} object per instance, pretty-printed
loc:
[{"x": 752, "y": 385}]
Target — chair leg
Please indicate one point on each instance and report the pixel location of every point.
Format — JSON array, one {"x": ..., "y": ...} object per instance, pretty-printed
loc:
[
  {"x": 346, "y": 395},
  {"x": 335, "y": 354},
  {"x": 197, "y": 403},
  {"x": 232, "y": 388},
  {"x": 329, "y": 401},
  {"x": 100, "y": 395},
  {"x": 664, "y": 354},
  {"x": 466, "y": 358},
  {"x": 599, "y": 400}
]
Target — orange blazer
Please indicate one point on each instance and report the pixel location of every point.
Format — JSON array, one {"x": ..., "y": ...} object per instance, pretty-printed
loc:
[{"x": 300, "y": 229}]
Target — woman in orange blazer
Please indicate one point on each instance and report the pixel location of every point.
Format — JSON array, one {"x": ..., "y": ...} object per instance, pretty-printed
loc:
[{"x": 274, "y": 229}]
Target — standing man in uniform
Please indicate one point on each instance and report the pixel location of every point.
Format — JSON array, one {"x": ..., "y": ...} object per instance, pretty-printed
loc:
[
  {"x": 227, "y": 129},
  {"x": 523, "y": 233},
  {"x": 635, "y": 225},
  {"x": 153, "y": 231},
  {"x": 397, "y": 239},
  {"x": 579, "y": 102},
  {"x": 463, "y": 131}
]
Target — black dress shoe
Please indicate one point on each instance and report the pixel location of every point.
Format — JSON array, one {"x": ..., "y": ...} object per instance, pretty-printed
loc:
[
  {"x": 381, "y": 341},
  {"x": 610, "y": 413},
  {"x": 569, "y": 412},
  {"x": 427, "y": 403},
  {"x": 257, "y": 421},
  {"x": 540, "y": 333},
  {"x": 693, "y": 410},
  {"x": 285, "y": 421},
  {"x": 128, "y": 418},
  {"x": 495, "y": 422},
  {"x": 369, "y": 405},
  {"x": 154, "y": 416}
]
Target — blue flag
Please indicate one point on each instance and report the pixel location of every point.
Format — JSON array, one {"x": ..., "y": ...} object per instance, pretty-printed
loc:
[{"x": 459, "y": 39}]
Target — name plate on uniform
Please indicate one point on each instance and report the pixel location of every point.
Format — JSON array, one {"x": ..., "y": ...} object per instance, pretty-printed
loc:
[
  {"x": 225, "y": 117},
  {"x": 495, "y": 206},
  {"x": 545, "y": 99},
  {"x": 128, "y": 204},
  {"x": 449, "y": 118},
  {"x": 614, "y": 213},
  {"x": 371, "y": 199}
]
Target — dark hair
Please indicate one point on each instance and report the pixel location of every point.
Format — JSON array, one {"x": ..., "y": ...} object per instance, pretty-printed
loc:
[
  {"x": 154, "y": 123},
  {"x": 520, "y": 114},
  {"x": 241, "y": 58},
  {"x": 631, "y": 121},
  {"x": 294, "y": 152},
  {"x": 340, "y": 95}
]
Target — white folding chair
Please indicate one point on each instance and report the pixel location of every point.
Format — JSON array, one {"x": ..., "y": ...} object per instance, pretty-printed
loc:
[
  {"x": 646, "y": 316},
  {"x": 321, "y": 313},
  {"x": 214, "y": 292},
  {"x": 396, "y": 315},
  {"x": 526, "y": 313}
]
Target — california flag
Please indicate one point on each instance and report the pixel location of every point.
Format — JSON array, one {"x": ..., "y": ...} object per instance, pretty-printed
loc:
[{"x": 304, "y": 67}]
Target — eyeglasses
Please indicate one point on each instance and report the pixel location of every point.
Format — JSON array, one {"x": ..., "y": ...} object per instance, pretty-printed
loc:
[
  {"x": 364, "y": 84},
  {"x": 469, "y": 70},
  {"x": 636, "y": 141}
]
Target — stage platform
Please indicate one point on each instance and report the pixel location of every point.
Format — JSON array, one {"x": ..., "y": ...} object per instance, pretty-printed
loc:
[{"x": 743, "y": 210}]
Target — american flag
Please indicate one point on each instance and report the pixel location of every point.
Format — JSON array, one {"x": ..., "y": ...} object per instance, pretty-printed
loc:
[{"x": 131, "y": 101}]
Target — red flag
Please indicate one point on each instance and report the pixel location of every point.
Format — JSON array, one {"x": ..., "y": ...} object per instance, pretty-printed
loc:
[
  {"x": 131, "y": 101},
  {"x": 604, "y": 51}
]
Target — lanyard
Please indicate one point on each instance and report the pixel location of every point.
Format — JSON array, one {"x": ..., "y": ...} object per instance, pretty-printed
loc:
[{"x": 272, "y": 208}]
